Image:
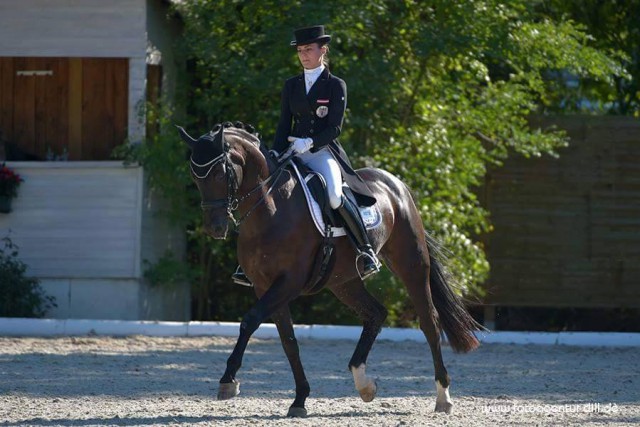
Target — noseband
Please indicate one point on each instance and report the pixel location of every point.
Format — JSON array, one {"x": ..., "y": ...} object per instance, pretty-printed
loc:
[{"x": 231, "y": 202}]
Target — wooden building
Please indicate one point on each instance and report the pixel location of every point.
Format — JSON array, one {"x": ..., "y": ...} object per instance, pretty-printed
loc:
[
  {"x": 74, "y": 77},
  {"x": 567, "y": 230}
]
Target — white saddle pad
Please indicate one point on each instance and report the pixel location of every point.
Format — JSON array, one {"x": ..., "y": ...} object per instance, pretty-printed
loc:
[{"x": 370, "y": 214}]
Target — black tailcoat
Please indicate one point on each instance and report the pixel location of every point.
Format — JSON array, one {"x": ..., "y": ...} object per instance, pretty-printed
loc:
[{"x": 318, "y": 115}]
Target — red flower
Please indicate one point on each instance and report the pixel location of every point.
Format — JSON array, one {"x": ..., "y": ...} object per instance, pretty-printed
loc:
[{"x": 9, "y": 182}]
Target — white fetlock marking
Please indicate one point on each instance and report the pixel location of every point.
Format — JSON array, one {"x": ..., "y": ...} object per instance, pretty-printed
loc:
[
  {"x": 359, "y": 377},
  {"x": 443, "y": 394}
]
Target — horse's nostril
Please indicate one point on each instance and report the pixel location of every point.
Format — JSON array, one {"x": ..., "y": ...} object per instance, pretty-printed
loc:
[{"x": 218, "y": 231}]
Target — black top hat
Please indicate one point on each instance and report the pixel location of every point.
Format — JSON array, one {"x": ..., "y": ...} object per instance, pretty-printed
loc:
[{"x": 310, "y": 35}]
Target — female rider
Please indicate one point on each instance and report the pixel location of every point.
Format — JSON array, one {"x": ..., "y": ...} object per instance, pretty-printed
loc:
[{"x": 312, "y": 111}]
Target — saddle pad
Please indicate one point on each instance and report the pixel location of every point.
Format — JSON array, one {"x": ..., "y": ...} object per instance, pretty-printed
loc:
[{"x": 370, "y": 214}]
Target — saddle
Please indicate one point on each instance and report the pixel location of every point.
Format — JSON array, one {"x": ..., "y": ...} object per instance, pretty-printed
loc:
[{"x": 328, "y": 223}]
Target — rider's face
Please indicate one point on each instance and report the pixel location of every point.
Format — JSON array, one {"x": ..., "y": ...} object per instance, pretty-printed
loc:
[{"x": 310, "y": 55}]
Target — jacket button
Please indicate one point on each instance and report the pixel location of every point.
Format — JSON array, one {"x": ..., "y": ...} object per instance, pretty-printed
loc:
[
  {"x": 313, "y": 121},
  {"x": 310, "y": 130}
]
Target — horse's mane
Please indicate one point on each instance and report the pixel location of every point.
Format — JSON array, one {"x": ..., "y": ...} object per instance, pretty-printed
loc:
[{"x": 244, "y": 131}]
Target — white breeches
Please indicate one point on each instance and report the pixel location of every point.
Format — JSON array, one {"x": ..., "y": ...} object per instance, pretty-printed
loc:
[{"x": 323, "y": 162}]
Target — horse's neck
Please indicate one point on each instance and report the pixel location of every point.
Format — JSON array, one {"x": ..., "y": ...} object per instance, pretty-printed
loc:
[
  {"x": 276, "y": 194},
  {"x": 258, "y": 168}
]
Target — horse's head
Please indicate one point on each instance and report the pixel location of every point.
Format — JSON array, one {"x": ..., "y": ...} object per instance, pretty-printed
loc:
[
  {"x": 216, "y": 177},
  {"x": 218, "y": 161}
]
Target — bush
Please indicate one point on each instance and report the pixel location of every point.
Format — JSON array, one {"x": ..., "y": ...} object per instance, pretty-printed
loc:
[{"x": 20, "y": 296}]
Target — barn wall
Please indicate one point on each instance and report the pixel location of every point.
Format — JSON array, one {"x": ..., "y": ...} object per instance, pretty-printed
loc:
[
  {"x": 78, "y": 220},
  {"x": 163, "y": 33},
  {"x": 567, "y": 230},
  {"x": 72, "y": 32},
  {"x": 159, "y": 236},
  {"x": 79, "y": 229},
  {"x": 73, "y": 28}
]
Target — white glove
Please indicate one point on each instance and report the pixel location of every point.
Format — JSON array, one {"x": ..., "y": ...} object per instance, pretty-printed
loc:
[{"x": 300, "y": 145}]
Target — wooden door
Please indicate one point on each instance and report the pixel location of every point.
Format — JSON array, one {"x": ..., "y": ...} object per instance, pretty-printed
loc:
[
  {"x": 34, "y": 104},
  {"x": 77, "y": 106},
  {"x": 105, "y": 89}
]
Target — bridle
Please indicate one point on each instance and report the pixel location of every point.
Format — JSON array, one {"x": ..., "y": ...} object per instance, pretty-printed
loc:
[{"x": 232, "y": 202}]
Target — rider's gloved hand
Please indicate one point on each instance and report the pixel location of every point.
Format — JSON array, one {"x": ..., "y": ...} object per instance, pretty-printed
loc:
[{"x": 300, "y": 145}]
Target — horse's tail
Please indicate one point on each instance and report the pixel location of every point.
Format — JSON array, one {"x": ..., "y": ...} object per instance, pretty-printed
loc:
[{"x": 455, "y": 320}]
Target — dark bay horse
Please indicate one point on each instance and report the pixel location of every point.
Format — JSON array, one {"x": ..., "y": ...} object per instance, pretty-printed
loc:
[{"x": 277, "y": 246}]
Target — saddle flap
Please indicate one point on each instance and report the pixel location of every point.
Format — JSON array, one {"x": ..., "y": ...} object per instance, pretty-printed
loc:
[
  {"x": 318, "y": 187},
  {"x": 314, "y": 187}
]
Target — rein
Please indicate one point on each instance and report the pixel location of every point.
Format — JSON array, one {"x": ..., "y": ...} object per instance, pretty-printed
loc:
[
  {"x": 275, "y": 174},
  {"x": 231, "y": 203}
]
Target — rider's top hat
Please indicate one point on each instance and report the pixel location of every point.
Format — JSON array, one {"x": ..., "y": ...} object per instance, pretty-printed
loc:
[{"x": 310, "y": 35}]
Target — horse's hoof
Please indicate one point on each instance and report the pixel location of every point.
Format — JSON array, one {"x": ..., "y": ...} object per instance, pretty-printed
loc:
[
  {"x": 228, "y": 390},
  {"x": 368, "y": 393},
  {"x": 297, "y": 412},
  {"x": 445, "y": 407}
]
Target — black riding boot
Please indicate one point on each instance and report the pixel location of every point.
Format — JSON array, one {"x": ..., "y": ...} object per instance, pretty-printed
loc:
[
  {"x": 358, "y": 233},
  {"x": 240, "y": 278}
]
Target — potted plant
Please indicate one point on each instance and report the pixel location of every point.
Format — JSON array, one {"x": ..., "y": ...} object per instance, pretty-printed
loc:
[{"x": 9, "y": 183}]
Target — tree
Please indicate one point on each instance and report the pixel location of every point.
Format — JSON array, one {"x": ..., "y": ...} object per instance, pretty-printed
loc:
[
  {"x": 613, "y": 27},
  {"x": 438, "y": 90}
]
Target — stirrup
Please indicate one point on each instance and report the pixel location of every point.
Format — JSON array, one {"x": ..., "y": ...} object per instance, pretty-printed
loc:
[
  {"x": 240, "y": 278},
  {"x": 371, "y": 264}
]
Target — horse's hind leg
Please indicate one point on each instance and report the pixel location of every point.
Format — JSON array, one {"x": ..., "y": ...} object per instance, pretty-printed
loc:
[
  {"x": 355, "y": 296},
  {"x": 412, "y": 266},
  {"x": 282, "y": 319}
]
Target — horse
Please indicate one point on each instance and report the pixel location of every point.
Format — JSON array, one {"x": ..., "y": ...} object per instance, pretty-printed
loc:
[{"x": 277, "y": 245}]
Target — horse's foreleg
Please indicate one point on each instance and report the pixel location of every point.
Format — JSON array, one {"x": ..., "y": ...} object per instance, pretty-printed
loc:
[
  {"x": 272, "y": 300},
  {"x": 282, "y": 319},
  {"x": 354, "y": 295},
  {"x": 229, "y": 386}
]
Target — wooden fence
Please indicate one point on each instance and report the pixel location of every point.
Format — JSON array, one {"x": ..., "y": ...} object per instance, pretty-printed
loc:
[{"x": 567, "y": 230}]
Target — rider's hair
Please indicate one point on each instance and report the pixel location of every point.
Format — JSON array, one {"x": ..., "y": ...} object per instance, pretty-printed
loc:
[{"x": 325, "y": 57}]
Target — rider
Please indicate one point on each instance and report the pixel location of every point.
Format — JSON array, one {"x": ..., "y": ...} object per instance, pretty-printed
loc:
[{"x": 312, "y": 110}]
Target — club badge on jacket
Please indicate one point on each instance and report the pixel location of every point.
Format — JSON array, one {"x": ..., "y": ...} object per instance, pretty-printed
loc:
[{"x": 322, "y": 110}]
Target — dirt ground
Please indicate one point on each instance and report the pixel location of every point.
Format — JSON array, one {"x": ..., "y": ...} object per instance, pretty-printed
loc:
[{"x": 142, "y": 381}]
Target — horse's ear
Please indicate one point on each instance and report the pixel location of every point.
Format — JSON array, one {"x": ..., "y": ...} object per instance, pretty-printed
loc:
[{"x": 185, "y": 136}]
